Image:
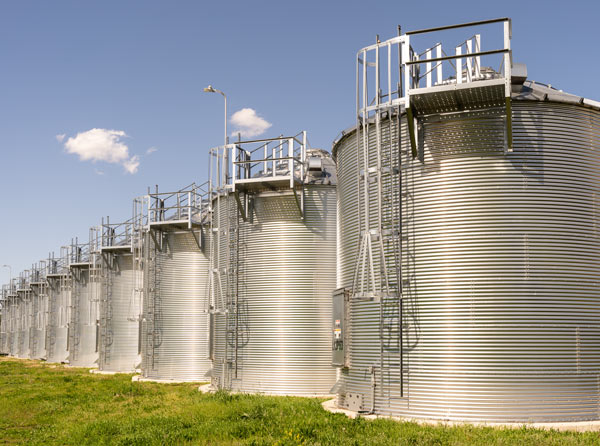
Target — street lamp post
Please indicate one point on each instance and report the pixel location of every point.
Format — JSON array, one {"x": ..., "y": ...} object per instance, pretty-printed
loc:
[{"x": 210, "y": 89}]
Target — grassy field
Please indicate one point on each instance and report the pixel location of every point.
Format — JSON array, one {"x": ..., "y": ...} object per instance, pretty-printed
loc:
[{"x": 43, "y": 404}]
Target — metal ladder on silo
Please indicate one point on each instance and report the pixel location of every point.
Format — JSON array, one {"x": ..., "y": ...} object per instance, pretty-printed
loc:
[
  {"x": 152, "y": 274},
  {"x": 232, "y": 313},
  {"x": 52, "y": 319},
  {"x": 33, "y": 343},
  {"x": 74, "y": 319},
  {"x": 106, "y": 308}
]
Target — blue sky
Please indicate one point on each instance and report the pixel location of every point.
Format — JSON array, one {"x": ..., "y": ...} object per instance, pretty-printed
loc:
[{"x": 139, "y": 67}]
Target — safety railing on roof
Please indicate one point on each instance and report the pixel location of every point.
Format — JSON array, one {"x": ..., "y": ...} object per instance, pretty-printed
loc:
[
  {"x": 38, "y": 272},
  {"x": 189, "y": 206},
  {"x": 389, "y": 72},
  {"x": 87, "y": 252},
  {"x": 58, "y": 265},
  {"x": 281, "y": 159},
  {"x": 116, "y": 234},
  {"x": 396, "y": 74}
]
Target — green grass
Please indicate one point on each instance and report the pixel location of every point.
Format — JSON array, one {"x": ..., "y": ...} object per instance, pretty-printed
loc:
[{"x": 42, "y": 404}]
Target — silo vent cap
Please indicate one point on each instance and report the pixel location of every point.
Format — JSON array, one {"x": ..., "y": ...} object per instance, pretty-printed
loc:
[
  {"x": 315, "y": 164},
  {"x": 518, "y": 73}
]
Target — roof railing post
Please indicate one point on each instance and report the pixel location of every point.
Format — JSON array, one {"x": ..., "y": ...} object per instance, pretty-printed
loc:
[
  {"x": 469, "y": 60},
  {"x": 389, "y": 73},
  {"x": 477, "y": 58},
  {"x": 458, "y": 65},
  {"x": 234, "y": 165},
  {"x": 291, "y": 160},
  {"x": 274, "y": 162},
  {"x": 303, "y": 156},
  {"x": 189, "y": 210},
  {"x": 265, "y": 154},
  {"x": 439, "y": 64},
  {"x": 407, "y": 79},
  {"x": 428, "y": 68}
]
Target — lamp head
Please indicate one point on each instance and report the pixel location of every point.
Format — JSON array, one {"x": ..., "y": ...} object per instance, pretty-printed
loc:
[{"x": 210, "y": 89}]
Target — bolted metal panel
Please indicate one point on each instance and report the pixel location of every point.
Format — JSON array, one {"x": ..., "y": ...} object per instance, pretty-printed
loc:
[
  {"x": 119, "y": 315},
  {"x": 175, "y": 318},
  {"x": 501, "y": 266},
  {"x": 83, "y": 326},
  {"x": 59, "y": 301},
  {"x": 285, "y": 277}
]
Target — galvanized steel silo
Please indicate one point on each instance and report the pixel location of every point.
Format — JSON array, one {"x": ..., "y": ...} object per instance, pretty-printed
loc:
[
  {"x": 86, "y": 288},
  {"x": 120, "y": 305},
  {"x": 24, "y": 315},
  {"x": 274, "y": 270},
  {"x": 39, "y": 312},
  {"x": 13, "y": 336},
  {"x": 174, "y": 335},
  {"x": 59, "y": 302},
  {"x": 5, "y": 321},
  {"x": 499, "y": 317}
]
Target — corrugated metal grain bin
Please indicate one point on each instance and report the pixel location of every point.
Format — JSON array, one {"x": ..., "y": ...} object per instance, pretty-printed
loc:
[
  {"x": 274, "y": 270},
  {"x": 24, "y": 315},
  {"x": 39, "y": 312},
  {"x": 174, "y": 335},
  {"x": 500, "y": 257},
  {"x": 86, "y": 288},
  {"x": 120, "y": 305},
  {"x": 5, "y": 321},
  {"x": 59, "y": 303}
]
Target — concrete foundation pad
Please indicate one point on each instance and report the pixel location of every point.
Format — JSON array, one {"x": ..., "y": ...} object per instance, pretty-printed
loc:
[
  {"x": 208, "y": 388},
  {"x": 575, "y": 426},
  {"x": 140, "y": 378},
  {"x": 110, "y": 372},
  {"x": 80, "y": 367}
]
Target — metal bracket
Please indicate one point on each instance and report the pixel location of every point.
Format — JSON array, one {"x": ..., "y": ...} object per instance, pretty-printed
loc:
[
  {"x": 509, "y": 138},
  {"x": 243, "y": 210},
  {"x": 299, "y": 201},
  {"x": 197, "y": 239},
  {"x": 410, "y": 120}
]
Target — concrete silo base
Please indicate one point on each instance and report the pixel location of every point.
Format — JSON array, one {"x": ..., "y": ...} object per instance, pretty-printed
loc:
[
  {"x": 575, "y": 426},
  {"x": 110, "y": 372},
  {"x": 209, "y": 388},
  {"x": 139, "y": 378}
]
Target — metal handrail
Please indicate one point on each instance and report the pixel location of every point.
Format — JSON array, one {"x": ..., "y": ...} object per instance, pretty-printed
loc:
[{"x": 190, "y": 204}]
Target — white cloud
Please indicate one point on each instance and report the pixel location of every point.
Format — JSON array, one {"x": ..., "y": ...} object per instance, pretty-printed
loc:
[
  {"x": 103, "y": 145},
  {"x": 61, "y": 137},
  {"x": 151, "y": 150},
  {"x": 248, "y": 123},
  {"x": 132, "y": 164},
  {"x": 98, "y": 172}
]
